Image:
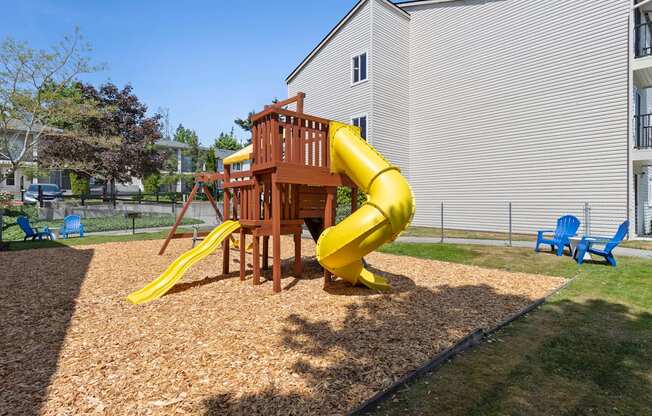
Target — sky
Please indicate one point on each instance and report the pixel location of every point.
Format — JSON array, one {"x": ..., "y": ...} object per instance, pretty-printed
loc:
[{"x": 208, "y": 62}]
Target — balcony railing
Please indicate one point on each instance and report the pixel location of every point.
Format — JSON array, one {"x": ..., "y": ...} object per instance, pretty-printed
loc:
[
  {"x": 643, "y": 131},
  {"x": 643, "y": 39}
]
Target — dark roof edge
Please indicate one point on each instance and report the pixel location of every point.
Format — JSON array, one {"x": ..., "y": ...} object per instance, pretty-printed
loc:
[{"x": 335, "y": 28}]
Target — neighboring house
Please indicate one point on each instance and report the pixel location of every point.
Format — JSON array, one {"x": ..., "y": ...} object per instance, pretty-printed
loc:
[
  {"x": 486, "y": 102},
  {"x": 19, "y": 179}
]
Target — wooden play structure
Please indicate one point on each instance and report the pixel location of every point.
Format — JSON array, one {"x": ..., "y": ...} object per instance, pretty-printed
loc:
[{"x": 288, "y": 184}]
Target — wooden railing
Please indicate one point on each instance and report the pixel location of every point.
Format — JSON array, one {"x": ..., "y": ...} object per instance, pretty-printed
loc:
[
  {"x": 246, "y": 207},
  {"x": 285, "y": 136}
]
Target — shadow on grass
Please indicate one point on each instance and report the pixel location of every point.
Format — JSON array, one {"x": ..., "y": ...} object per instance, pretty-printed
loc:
[
  {"x": 380, "y": 339},
  {"x": 38, "y": 291},
  {"x": 592, "y": 357}
]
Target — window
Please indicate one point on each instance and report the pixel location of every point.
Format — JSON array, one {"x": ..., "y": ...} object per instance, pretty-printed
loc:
[
  {"x": 11, "y": 178},
  {"x": 361, "y": 122},
  {"x": 649, "y": 188},
  {"x": 359, "y": 68}
]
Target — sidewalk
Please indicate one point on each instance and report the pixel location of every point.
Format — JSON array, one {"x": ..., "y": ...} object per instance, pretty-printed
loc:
[
  {"x": 202, "y": 227},
  {"x": 618, "y": 251}
]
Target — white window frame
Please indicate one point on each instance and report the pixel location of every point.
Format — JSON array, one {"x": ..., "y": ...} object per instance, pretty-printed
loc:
[
  {"x": 362, "y": 81},
  {"x": 366, "y": 116}
]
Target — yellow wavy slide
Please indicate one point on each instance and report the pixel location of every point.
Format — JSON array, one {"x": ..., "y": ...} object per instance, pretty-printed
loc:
[
  {"x": 176, "y": 270},
  {"x": 388, "y": 211}
]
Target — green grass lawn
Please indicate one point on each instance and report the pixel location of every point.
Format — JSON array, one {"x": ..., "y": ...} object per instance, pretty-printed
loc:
[
  {"x": 450, "y": 233},
  {"x": 12, "y": 231},
  {"x": 488, "y": 235},
  {"x": 588, "y": 351},
  {"x": 93, "y": 239}
]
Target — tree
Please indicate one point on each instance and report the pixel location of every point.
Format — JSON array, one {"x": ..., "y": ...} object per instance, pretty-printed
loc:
[
  {"x": 245, "y": 124},
  {"x": 184, "y": 135},
  {"x": 151, "y": 183},
  {"x": 34, "y": 89},
  {"x": 165, "y": 123},
  {"x": 227, "y": 141},
  {"x": 79, "y": 184},
  {"x": 115, "y": 143},
  {"x": 194, "y": 151},
  {"x": 211, "y": 166},
  {"x": 211, "y": 160}
]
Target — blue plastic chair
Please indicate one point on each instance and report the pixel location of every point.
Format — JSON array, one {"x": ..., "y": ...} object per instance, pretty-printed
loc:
[
  {"x": 32, "y": 232},
  {"x": 72, "y": 225},
  {"x": 567, "y": 227},
  {"x": 609, "y": 244}
]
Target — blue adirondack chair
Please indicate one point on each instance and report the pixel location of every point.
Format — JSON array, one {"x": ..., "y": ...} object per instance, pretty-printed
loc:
[
  {"x": 72, "y": 225},
  {"x": 32, "y": 232},
  {"x": 586, "y": 245},
  {"x": 567, "y": 226}
]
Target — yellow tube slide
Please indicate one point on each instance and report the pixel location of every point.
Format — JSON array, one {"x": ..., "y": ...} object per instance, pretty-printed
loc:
[
  {"x": 180, "y": 266},
  {"x": 388, "y": 211}
]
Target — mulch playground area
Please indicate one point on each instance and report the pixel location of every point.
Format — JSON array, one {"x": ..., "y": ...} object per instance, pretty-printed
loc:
[{"x": 71, "y": 344}]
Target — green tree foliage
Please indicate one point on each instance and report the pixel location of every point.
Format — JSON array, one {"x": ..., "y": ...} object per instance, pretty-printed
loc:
[
  {"x": 211, "y": 160},
  {"x": 115, "y": 142},
  {"x": 344, "y": 197},
  {"x": 211, "y": 166},
  {"x": 227, "y": 141},
  {"x": 194, "y": 152},
  {"x": 245, "y": 124},
  {"x": 184, "y": 135},
  {"x": 80, "y": 184},
  {"x": 151, "y": 183},
  {"x": 35, "y": 89},
  {"x": 34, "y": 171}
]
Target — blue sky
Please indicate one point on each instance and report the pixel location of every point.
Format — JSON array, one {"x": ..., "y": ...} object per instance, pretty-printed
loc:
[{"x": 207, "y": 61}]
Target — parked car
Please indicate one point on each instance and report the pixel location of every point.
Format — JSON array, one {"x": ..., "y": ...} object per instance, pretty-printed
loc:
[{"x": 51, "y": 192}]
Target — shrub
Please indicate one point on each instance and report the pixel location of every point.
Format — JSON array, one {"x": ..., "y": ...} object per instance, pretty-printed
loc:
[
  {"x": 6, "y": 200},
  {"x": 344, "y": 197},
  {"x": 80, "y": 184},
  {"x": 151, "y": 183}
]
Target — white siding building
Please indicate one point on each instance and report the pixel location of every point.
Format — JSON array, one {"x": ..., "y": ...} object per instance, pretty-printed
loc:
[{"x": 483, "y": 103}]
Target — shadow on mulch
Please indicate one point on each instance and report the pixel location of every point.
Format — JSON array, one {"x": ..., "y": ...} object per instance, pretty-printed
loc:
[
  {"x": 373, "y": 329},
  {"x": 309, "y": 266},
  {"x": 37, "y": 306}
]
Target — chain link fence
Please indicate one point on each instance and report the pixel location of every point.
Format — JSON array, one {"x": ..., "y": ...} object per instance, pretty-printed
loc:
[{"x": 509, "y": 220}]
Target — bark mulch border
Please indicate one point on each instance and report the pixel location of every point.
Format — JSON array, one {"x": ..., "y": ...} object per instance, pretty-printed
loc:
[{"x": 469, "y": 341}]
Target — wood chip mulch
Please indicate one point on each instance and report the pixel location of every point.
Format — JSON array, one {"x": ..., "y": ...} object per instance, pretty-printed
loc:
[{"x": 70, "y": 344}]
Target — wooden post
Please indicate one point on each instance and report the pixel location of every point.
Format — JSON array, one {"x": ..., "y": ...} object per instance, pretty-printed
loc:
[
  {"x": 243, "y": 261},
  {"x": 266, "y": 252},
  {"x": 256, "y": 260},
  {"x": 256, "y": 237},
  {"x": 207, "y": 192},
  {"x": 179, "y": 218},
  {"x": 236, "y": 211},
  {"x": 276, "y": 235},
  {"x": 354, "y": 199},
  {"x": 227, "y": 216},
  {"x": 276, "y": 140},
  {"x": 328, "y": 222},
  {"x": 297, "y": 254},
  {"x": 300, "y": 97}
]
